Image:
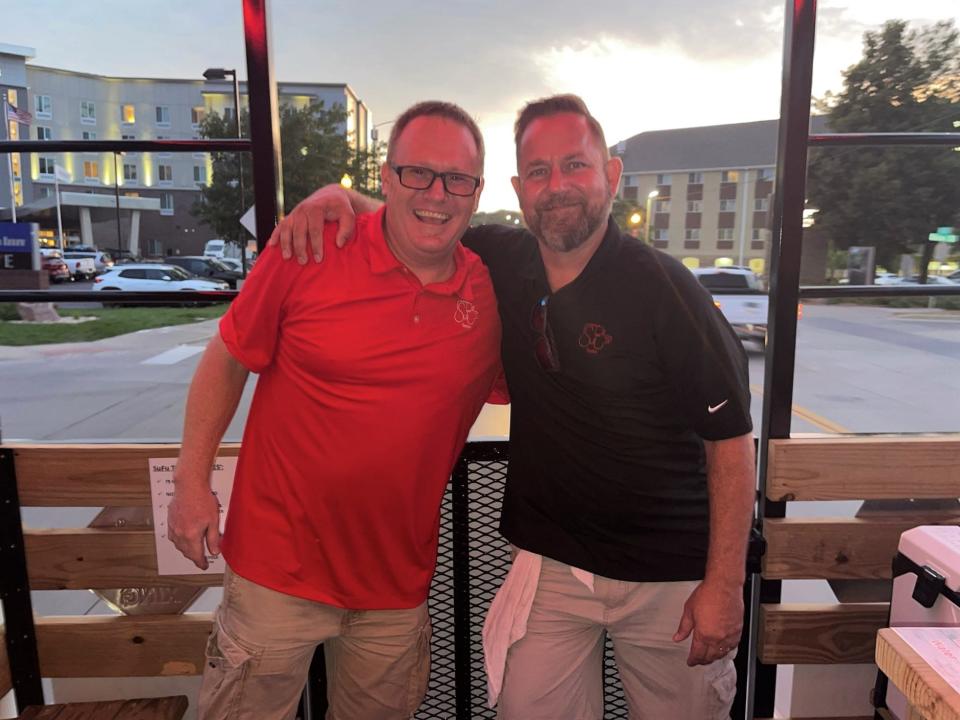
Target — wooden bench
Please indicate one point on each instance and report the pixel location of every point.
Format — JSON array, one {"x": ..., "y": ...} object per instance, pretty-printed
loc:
[
  {"x": 165, "y": 708},
  {"x": 862, "y": 548},
  {"x": 150, "y": 645}
]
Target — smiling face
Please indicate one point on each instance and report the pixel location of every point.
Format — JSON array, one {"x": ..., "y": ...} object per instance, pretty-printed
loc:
[
  {"x": 565, "y": 182},
  {"x": 423, "y": 226}
]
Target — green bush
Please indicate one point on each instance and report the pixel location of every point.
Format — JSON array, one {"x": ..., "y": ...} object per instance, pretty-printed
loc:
[{"x": 8, "y": 311}]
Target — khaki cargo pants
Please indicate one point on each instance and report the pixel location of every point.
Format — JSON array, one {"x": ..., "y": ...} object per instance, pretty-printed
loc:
[
  {"x": 555, "y": 672},
  {"x": 262, "y": 642}
]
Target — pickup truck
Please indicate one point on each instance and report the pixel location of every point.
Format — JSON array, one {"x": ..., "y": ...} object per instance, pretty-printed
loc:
[
  {"x": 741, "y": 298},
  {"x": 81, "y": 265}
]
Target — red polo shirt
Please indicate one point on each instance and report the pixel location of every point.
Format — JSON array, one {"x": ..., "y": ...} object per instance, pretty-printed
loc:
[{"x": 369, "y": 383}]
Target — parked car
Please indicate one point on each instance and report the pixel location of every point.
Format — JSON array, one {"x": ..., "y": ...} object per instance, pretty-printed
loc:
[
  {"x": 102, "y": 260},
  {"x": 56, "y": 268},
  {"x": 955, "y": 276},
  {"x": 931, "y": 280},
  {"x": 234, "y": 263},
  {"x": 82, "y": 266},
  {"x": 206, "y": 267},
  {"x": 152, "y": 277}
]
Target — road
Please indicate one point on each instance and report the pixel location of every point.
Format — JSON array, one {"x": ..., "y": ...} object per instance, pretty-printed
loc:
[{"x": 858, "y": 369}]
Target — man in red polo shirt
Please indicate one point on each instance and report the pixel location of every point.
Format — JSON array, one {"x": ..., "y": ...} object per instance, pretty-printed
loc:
[{"x": 372, "y": 368}]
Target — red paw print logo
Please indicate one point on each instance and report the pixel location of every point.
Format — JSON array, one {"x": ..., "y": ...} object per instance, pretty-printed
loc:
[
  {"x": 466, "y": 314},
  {"x": 594, "y": 338}
]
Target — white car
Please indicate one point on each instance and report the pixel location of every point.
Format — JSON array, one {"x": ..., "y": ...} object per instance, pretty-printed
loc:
[
  {"x": 151, "y": 277},
  {"x": 931, "y": 280}
]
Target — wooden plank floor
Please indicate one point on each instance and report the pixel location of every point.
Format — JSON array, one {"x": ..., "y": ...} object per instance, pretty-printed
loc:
[{"x": 165, "y": 708}]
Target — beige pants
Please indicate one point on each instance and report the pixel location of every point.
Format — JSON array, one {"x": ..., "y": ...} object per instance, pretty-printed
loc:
[
  {"x": 555, "y": 672},
  {"x": 259, "y": 654}
]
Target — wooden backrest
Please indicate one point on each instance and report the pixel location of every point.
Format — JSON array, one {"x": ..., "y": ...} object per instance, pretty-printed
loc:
[
  {"x": 846, "y": 468},
  {"x": 99, "y": 558}
]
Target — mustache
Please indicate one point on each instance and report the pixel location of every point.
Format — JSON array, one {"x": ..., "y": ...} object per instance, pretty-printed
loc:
[{"x": 560, "y": 199}]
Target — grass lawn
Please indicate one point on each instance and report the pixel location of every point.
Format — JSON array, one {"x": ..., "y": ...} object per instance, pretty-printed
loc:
[{"x": 109, "y": 322}]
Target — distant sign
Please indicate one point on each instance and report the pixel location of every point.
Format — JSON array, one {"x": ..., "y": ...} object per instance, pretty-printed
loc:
[
  {"x": 249, "y": 220},
  {"x": 943, "y": 235},
  {"x": 18, "y": 246},
  {"x": 61, "y": 174}
]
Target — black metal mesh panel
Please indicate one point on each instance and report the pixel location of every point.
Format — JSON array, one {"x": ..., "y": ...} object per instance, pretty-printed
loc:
[{"x": 489, "y": 559}]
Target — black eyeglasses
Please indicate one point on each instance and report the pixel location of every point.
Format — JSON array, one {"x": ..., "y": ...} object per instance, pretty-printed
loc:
[
  {"x": 421, "y": 178},
  {"x": 545, "y": 348}
]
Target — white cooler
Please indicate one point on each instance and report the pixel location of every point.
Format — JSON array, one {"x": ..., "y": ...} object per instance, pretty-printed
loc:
[{"x": 926, "y": 581}]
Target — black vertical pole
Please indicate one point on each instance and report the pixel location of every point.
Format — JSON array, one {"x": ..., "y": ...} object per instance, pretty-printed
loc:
[
  {"x": 116, "y": 191},
  {"x": 264, "y": 120},
  {"x": 461, "y": 590},
  {"x": 789, "y": 197},
  {"x": 20, "y": 633},
  {"x": 236, "y": 110}
]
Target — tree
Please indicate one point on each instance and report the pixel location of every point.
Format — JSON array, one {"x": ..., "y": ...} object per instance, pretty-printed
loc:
[
  {"x": 891, "y": 197},
  {"x": 315, "y": 151}
]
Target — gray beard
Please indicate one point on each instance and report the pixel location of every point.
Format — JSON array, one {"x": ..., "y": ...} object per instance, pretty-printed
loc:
[{"x": 564, "y": 235}]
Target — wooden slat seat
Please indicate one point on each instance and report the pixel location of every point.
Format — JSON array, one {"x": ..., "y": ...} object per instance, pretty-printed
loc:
[{"x": 164, "y": 708}]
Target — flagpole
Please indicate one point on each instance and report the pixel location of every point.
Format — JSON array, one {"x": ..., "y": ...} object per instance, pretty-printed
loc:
[
  {"x": 13, "y": 196},
  {"x": 56, "y": 186}
]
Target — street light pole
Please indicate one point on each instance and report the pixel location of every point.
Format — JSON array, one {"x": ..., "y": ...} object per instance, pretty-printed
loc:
[{"x": 649, "y": 229}]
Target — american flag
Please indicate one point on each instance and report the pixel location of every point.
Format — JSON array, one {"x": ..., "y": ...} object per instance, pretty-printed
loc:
[{"x": 20, "y": 116}]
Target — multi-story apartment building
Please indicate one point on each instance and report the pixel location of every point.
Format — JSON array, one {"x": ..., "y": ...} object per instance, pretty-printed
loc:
[
  {"x": 714, "y": 189},
  {"x": 157, "y": 190}
]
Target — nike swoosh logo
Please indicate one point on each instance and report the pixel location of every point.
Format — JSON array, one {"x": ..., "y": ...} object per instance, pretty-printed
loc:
[{"x": 713, "y": 408}]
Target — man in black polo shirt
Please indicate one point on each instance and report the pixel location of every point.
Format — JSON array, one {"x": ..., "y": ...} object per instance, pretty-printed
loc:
[{"x": 631, "y": 478}]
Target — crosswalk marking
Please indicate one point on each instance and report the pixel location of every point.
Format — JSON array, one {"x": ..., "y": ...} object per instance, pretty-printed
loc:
[{"x": 173, "y": 355}]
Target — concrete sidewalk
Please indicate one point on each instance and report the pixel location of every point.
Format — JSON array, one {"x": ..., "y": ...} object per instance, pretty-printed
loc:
[{"x": 141, "y": 340}]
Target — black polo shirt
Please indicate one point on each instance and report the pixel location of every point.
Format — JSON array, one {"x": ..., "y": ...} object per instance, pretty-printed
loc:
[{"x": 606, "y": 465}]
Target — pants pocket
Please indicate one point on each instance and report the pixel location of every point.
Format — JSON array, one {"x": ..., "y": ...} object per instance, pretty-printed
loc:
[
  {"x": 420, "y": 674},
  {"x": 723, "y": 688},
  {"x": 224, "y": 675}
]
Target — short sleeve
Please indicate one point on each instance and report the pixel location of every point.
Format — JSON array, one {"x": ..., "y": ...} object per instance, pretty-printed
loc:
[
  {"x": 703, "y": 356},
  {"x": 251, "y": 326}
]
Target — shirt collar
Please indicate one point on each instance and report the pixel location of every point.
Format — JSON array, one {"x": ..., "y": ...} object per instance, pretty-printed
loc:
[{"x": 383, "y": 261}]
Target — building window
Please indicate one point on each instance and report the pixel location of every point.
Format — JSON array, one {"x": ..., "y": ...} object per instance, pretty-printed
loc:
[
  {"x": 695, "y": 178},
  {"x": 691, "y": 244},
  {"x": 43, "y": 107},
  {"x": 694, "y": 206},
  {"x": 761, "y": 204},
  {"x": 692, "y": 234},
  {"x": 88, "y": 112},
  {"x": 129, "y": 172},
  {"x": 725, "y": 234},
  {"x": 756, "y": 244},
  {"x": 756, "y": 235},
  {"x": 728, "y": 206},
  {"x": 724, "y": 244},
  {"x": 44, "y": 133},
  {"x": 91, "y": 171},
  {"x": 199, "y": 155},
  {"x": 166, "y": 203},
  {"x": 631, "y": 180},
  {"x": 129, "y": 137},
  {"x": 663, "y": 179},
  {"x": 88, "y": 135},
  {"x": 661, "y": 235},
  {"x": 47, "y": 167},
  {"x": 196, "y": 115},
  {"x": 128, "y": 114},
  {"x": 165, "y": 173},
  {"x": 163, "y": 116},
  {"x": 200, "y": 174},
  {"x": 765, "y": 174},
  {"x": 662, "y": 206},
  {"x": 730, "y": 176},
  {"x": 229, "y": 114}
]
